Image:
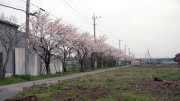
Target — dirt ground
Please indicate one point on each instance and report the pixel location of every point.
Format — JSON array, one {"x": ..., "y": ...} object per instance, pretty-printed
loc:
[{"x": 169, "y": 88}]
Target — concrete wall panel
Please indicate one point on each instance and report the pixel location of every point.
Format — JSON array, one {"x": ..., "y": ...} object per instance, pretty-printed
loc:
[
  {"x": 19, "y": 61},
  {"x": 56, "y": 66},
  {"x": 34, "y": 64}
]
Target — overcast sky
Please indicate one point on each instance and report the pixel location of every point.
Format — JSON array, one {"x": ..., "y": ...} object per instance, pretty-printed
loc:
[{"x": 143, "y": 25}]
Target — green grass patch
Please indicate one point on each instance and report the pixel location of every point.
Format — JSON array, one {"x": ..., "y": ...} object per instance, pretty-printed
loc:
[
  {"x": 25, "y": 78},
  {"x": 115, "y": 85}
]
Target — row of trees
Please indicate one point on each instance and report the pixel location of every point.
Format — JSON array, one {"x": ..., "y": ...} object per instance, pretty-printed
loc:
[{"x": 51, "y": 39}]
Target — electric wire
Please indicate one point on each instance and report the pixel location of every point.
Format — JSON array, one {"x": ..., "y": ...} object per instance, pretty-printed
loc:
[
  {"x": 84, "y": 6},
  {"x": 80, "y": 8},
  {"x": 76, "y": 11},
  {"x": 13, "y": 8}
]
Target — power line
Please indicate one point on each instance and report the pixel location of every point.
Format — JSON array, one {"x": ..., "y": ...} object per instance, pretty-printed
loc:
[
  {"x": 79, "y": 8},
  {"x": 76, "y": 11},
  {"x": 84, "y": 6},
  {"x": 34, "y": 5},
  {"x": 78, "y": 14},
  {"x": 52, "y": 14},
  {"x": 46, "y": 11},
  {"x": 13, "y": 8},
  {"x": 87, "y": 11},
  {"x": 62, "y": 19},
  {"x": 83, "y": 13},
  {"x": 105, "y": 27},
  {"x": 16, "y": 6}
]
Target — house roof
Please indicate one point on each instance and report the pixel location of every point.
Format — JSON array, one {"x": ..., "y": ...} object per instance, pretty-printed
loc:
[
  {"x": 9, "y": 23},
  {"x": 177, "y": 57},
  {"x": 178, "y": 54}
]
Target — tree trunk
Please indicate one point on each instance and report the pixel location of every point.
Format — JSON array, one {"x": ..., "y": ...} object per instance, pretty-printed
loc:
[
  {"x": 100, "y": 64},
  {"x": 64, "y": 67},
  {"x": 2, "y": 74},
  {"x": 47, "y": 68},
  {"x": 92, "y": 63},
  {"x": 64, "y": 62},
  {"x": 3, "y": 67},
  {"x": 81, "y": 66}
]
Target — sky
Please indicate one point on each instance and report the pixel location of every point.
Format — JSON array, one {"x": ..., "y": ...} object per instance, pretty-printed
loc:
[{"x": 142, "y": 25}]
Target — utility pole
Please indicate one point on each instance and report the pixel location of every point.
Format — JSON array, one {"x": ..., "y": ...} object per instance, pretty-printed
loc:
[
  {"x": 125, "y": 49},
  {"x": 129, "y": 51},
  {"x": 149, "y": 56},
  {"x": 94, "y": 54},
  {"x": 120, "y": 44},
  {"x": 27, "y": 19},
  {"x": 27, "y": 37},
  {"x": 119, "y": 61},
  {"x": 94, "y": 24},
  {"x": 125, "y": 54}
]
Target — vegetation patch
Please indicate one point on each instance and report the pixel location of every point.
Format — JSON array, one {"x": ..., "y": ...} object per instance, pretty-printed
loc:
[
  {"x": 25, "y": 78},
  {"x": 26, "y": 98},
  {"x": 124, "y": 84},
  {"x": 162, "y": 89},
  {"x": 70, "y": 93},
  {"x": 99, "y": 93}
]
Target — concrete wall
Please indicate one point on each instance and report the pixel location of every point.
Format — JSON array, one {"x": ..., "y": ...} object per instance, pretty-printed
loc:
[
  {"x": 19, "y": 61},
  {"x": 4, "y": 26},
  {"x": 34, "y": 64},
  {"x": 21, "y": 40},
  {"x": 56, "y": 66},
  {"x": 10, "y": 68},
  {"x": 8, "y": 74},
  {"x": 11, "y": 63}
]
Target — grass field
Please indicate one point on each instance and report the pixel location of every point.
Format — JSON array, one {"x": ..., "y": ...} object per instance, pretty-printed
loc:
[
  {"x": 125, "y": 84},
  {"x": 25, "y": 78}
]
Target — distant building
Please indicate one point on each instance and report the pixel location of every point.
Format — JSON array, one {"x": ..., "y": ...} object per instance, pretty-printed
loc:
[
  {"x": 156, "y": 60},
  {"x": 136, "y": 63},
  {"x": 177, "y": 58}
]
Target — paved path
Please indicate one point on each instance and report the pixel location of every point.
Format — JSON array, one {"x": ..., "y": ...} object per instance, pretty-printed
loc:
[{"x": 12, "y": 89}]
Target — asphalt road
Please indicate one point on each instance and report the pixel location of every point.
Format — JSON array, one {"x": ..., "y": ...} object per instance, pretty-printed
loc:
[{"x": 11, "y": 90}]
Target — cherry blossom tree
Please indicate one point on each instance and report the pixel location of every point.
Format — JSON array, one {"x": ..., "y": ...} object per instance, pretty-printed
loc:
[
  {"x": 43, "y": 38},
  {"x": 66, "y": 38},
  {"x": 111, "y": 55},
  {"x": 83, "y": 48},
  {"x": 8, "y": 39},
  {"x": 51, "y": 39},
  {"x": 99, "y": 48}
]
